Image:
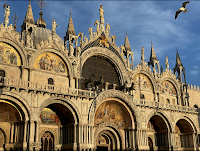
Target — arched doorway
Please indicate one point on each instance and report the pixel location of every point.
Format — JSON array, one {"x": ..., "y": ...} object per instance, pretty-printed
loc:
[
  {"x": 184, "y": 135},
  {"x": 150, "y": 143},
  {"x": 114, "y": 123},
  {"x": 158, "y": 130},
  {"x": 47, "y": 140},
  {"x": 2, "y": 139},
  {"x": 61, "y": 122}
]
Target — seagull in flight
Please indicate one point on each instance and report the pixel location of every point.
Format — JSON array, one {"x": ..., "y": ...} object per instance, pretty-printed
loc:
[{"x": 182, "y": 9}]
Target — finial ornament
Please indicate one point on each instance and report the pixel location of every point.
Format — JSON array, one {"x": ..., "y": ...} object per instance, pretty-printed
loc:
[
  {"x": 167, "y": 63},
  {"x": 151, "y": 42},
  {"x": 6, "y": 15},
  {"x": 177, "y": 49},
  {"x": 70, "y": 12},
  {"x": 41, "y": 3},
  {"x": 15, "y": 19}
]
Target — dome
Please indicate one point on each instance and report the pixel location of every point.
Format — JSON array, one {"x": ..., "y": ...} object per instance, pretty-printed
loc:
[
  {"x": 44, "y": 34},
  {"x": 40, "y": 22}
]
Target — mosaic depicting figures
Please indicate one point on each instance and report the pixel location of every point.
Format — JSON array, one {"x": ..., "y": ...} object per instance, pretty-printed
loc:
[
  {"x": 49, "y": 116},
  {"x": 142, "y": 82},
  {"x": 110, "y": 112},
  {"x": 8, "y": 112},
  {"x": 50, "y": 62},
  {"x": 168, "y": 88},
  {"x": 9, "y": 55}
]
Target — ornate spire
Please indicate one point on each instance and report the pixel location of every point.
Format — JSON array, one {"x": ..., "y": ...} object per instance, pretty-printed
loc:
[
  {"x": 29, "y": 15},
  {"x": 126, "y": 43},
  {"x": 40, "y": 22},
  {"x": 153, "y": 54},
  {"x": 178, "y": 60},
  {"x": 70, "y": 29}
]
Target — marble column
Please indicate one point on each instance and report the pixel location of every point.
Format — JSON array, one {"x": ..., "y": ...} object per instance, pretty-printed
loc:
[
  {"x": 25, "y": 131},
  {"x": 75, "y": 133},
  {"x": 32, "y": 131},
  {"x": 15, "y": 138},
  {"x": 12, "y": 132}
]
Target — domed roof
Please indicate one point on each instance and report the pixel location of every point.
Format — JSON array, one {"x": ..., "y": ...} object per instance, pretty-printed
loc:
[
  {"x": 40, "y": 22},
  {"x": 44, "y": 34}
]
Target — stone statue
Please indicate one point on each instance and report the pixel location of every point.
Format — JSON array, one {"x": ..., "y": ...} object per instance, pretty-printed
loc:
[
  {"x": 71, "y": 49},
  {"x": 101, "y": 11},
  {"x": 28, "y": 41},
  {"x": 142, "y": 55},
  {"x": 6, "y": 15},
  {"x": 107, "y": 27},
  {"x": 54, "y": 25},
  {"x": 113, "y": 38},
  {"x": 90, "y": 32},
  {"x": 167, "y": 63},
  {"x": 97, "y": 23}
]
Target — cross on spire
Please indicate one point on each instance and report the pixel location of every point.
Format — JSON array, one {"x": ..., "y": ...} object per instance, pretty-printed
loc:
[
  {"x": 151, "y": 42},
  {"x": 41, "y": 3},
  {"x": 177, "y": 49},
  {"x": 15, "y": 19}
]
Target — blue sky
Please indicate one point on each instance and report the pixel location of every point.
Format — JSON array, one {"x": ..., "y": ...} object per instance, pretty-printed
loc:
[{"x": 143, "y": 20}]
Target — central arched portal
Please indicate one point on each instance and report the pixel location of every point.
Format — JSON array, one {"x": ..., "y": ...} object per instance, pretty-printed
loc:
[{"x": 114, "y": 126}]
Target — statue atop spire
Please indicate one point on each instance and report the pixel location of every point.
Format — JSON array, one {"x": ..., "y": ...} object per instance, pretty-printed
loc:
[
  {"x": 101, "y": 12},
  {"x": 6, "y": 15}
]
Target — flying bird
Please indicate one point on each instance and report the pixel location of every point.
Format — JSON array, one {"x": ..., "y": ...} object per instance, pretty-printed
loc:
[{"x": 182, "y": 9}]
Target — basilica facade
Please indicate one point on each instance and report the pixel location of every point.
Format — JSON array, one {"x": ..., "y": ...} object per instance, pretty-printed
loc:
[{"x": 85, "y": 94}]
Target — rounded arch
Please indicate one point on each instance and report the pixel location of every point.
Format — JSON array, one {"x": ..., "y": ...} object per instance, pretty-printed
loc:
[
  {"x": 119, "y": 96},
  {"x": 18, "y": 47},
  {"x": 106, "y": 53},
  {"x": 59, "y": 54},
  {"x": 189, "y": 120},
  {"x": 20, "y": 103},
  {"x": 149, "y": 75},
  {"x": 174, "y": 83},
  {"x": 117, "y": 134},
  {"x": 65, "y": 102},
  {"x": 163, "y": 116}
]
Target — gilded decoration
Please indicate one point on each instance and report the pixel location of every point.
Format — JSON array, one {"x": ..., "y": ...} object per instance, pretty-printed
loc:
[
  {"x": 9, "y": 112},
  {"x": 168, "y": 88},
  {"x": 9, "y": 55},
  {"x": 141, "y": 81},
  {"x": 110, "y": 112},
  {"x": 50, "y": 62},
  {"x": 49, "y": 116}
]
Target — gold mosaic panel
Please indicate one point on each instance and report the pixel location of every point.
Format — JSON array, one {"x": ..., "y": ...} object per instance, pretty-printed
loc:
[
  {"x": 50, "y": 62},
  {"x": 142, "y": 82},
  {"x": 168, "y": 88},
  {"x": 9, "y": 55},
  {"x": 110, "y": 112},
  {"x": 9, "y": 112},
  {"x": 49, "y": 116}
]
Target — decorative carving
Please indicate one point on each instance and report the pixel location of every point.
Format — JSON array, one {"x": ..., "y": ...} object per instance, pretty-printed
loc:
[
  {"x": 107, "y": 29},
  {"x": 113, "y": 39},
  {"x": 97, "y": 28},
  {"x": 86, "y": 40},
  {"x": 90, "y": 33},
  {"x": 10, "y": 28},
  {"x": 1, "y": 27},
  {"x": 142, "y": 55}
]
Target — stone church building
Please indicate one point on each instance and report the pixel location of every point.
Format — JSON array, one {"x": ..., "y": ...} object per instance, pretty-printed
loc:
[{"x": 84, "y": 93}]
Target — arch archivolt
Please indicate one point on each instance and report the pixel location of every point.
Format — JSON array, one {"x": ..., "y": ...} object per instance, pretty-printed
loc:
[
  {"x": 112, "y": 128},
  {"x": 163, "y": 116},
  {"x": 5, "y": 127},
  {"x": 65, "y": 102},
  {"x": 59, "y": 54},
  {"x": 174, "y": 83},
  {"x": 189, "y": 119},
  {"x": 18, "y": 48},
  {"x": 104, "y": 52},
  {"x": 21, "y": 104},
  {"x": 118, "y": 96}
]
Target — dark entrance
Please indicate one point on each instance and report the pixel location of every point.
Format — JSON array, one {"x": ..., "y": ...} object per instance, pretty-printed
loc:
[
  {"x": 150, "y": 142},
  {"x": 102, "y": 148}
]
